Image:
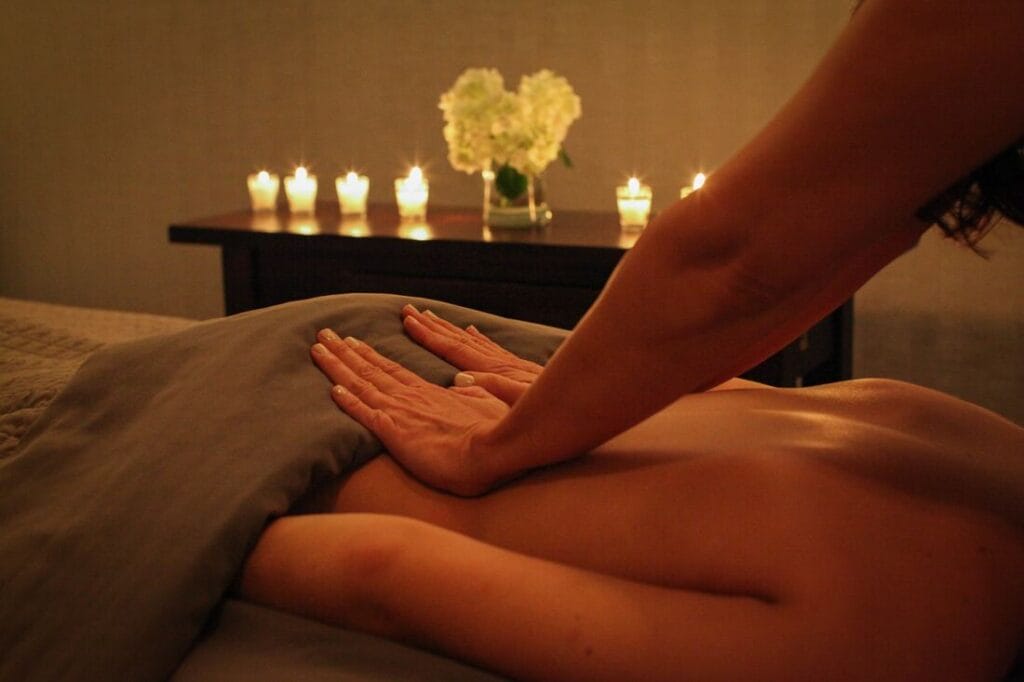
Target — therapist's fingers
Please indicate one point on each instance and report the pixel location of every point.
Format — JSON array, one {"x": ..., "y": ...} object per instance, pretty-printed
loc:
[
  {"x": 345, "y": 352},
  {"x": 443, "y": 329},
  {"x": 468, "y": 349},
  {"x": 445, "y": 346},
  {"x": 386, "y": 365},
  {"x": 509, "y": 391},
  {"x": 342, "y": 375},
  {"x": 375, "y": 420},
  {"x": 486, "y": 340},
  {"x": 460, "y": 347},
  {"x": 470, "y": 336}
]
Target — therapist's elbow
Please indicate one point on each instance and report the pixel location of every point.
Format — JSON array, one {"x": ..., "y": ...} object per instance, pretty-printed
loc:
[
  {"x": 727, "y": 265},
  {"x": 753, "y": 283}
]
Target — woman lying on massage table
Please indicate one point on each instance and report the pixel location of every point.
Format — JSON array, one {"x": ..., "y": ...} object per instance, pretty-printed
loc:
[
  {"x": 864, "y": 530},
  {"x": 752, "y": 533}
]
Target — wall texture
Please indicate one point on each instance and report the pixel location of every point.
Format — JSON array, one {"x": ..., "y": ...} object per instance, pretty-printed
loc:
[{"x": 120, "y": 117}]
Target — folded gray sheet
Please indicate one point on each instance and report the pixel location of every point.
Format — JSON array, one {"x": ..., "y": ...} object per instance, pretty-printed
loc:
[
  {"x": 129, "y": 506},
  {"x": 251, "y": 643}
]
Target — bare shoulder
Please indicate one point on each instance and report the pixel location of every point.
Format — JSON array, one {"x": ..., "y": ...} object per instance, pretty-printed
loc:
[
  {"x": 938, "y": 417},
  {"x": 929, "y": 443}
]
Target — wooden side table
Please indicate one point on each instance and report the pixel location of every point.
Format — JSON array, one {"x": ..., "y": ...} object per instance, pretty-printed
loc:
[{"x": 549, "y": 275}]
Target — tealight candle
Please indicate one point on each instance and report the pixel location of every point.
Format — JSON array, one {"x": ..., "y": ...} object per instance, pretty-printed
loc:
[
  {"x": 301, "y": 191},
  {"x": 352, "y": 191},
  {"x": 634, "y": 200},
  {"x": 263, "y": 188},
  {"x": 411, "y": 194},
  {"x": 698, "y": 182},
  {"x": 412, "y": 228},
  {"x": 355, "y": 226},
  {"x": 303, "y": 223}
]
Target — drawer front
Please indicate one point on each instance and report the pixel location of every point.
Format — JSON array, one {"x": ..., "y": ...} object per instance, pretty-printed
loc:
[{"x": 558, "y": 306}]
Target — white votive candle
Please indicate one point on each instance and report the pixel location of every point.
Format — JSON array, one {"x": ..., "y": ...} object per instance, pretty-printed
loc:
[
  {"x": 352, "y": 191},
  {"x": 416, "y": 229},
  {"x": 355, "y": 226},
  {"x": 634, "y": 201},
  {"x": 301, "y": 191},
  {"x": 698, "y": 182},
  {"x": 411, "y": 193},
  {"x": 263, "y": 188}
]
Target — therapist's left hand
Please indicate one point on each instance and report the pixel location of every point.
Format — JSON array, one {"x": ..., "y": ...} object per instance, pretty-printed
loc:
[{"x": 428, "y": 429}]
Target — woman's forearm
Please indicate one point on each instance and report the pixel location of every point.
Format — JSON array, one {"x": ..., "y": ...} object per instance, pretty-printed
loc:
[
  {"x": 657, "y": 332},
  {"x": 785, "y": 231}
]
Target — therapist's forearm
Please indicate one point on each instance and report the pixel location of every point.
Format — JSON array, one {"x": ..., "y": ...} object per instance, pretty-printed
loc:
[
  {"x": 657, "y": 332},
  {"x": 613, "y": 370},
  {"x": 789, "y": 228}
]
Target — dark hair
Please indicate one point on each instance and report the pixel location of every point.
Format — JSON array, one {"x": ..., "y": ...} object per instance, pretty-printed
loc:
[{"x": 968, "y": 208}]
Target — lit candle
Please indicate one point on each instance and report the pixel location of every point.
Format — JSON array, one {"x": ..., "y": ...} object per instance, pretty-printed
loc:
[
  {"x": 634, "y": 200},
  {"x": 355, "y": 226},
  {"x": 266, "y": 221},
  {"x": 411, "y": 228},
  {"x": 301, "y": 191},
  {"x": 303, "y": 223},
  {"x": 628, "y": 238},
  {"x": 263, "y": 188},
  {"x": 411, "y": 194},
  {"x": 352, "y": 191},
  {"x": 698, "y": 182}
]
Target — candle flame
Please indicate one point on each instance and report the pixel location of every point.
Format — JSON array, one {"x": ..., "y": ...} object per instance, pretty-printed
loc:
[
  {"x": 300, "y": 173},
  {"x": 263, "y": 176},
  {"x": 352, "y": 177},
  {"x": 416, "y": 175},
  {"x": 698, "y": 180},
  {"x": 634, "y": 185}
]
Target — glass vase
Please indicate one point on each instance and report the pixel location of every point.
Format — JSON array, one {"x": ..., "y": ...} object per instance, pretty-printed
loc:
[{"x": 528, "y": 209}]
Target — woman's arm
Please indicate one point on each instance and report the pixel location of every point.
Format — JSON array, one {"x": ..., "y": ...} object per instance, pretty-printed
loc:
[
  {"x": 520, "y": 616},
  {"x": 912, "y": 96}
]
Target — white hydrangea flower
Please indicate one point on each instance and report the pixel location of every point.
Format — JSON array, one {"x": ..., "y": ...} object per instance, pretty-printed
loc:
[
  {"x": 486, "y": 125},
  {"x": 550, "y": 106},
  {"x": 470, "y": 109}
]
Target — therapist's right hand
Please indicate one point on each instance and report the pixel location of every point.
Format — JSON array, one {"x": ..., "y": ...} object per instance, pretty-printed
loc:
[{"x": 435, "y": 433}]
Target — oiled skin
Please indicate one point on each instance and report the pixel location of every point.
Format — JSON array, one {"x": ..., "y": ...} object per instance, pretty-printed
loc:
[{"x": 817, "y": 555}]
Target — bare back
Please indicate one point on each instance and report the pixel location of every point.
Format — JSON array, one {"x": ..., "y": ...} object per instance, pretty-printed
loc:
[{"x": 885, "y": 509}]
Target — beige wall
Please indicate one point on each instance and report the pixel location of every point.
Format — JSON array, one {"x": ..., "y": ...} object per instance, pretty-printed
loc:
[{"x": 120, "y": 117}]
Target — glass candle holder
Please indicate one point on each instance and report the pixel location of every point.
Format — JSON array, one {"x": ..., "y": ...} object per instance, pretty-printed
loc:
[
  {"x": 263, "y": 188},
  {"x": 411, "y": 194},
  {"x": 698, "y": 182},
  {"x": 355, "y": 226},
  {"x": 352, "y": 192},
  {"x": 415, "y": 228},
  {"x": 634, "y": 202},
  {"x": 301, "y": 191}
]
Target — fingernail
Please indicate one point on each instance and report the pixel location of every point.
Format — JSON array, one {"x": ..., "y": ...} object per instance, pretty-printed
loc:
[
  {"x": 430, "y": 313},
  {"x": 329, "y": 335},
  {"x": 408, "y": 309},
  {"x": 351, "y": 341},
  {"x": 338, "y": 389},
  {"x": 462, "y": 379},
  {"x": 320, "y": 348},
  {"x": 471, "y": 328}
]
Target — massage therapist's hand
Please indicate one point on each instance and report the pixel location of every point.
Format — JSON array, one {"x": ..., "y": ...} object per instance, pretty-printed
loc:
[
  {"x": 428, "y": 429},
  {"x": 483, "y": 362}
]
